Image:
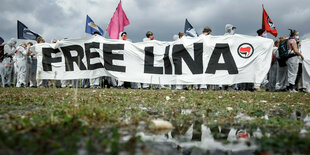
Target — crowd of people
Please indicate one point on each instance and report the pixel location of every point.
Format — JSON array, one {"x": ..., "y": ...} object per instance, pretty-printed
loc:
[{"x": 18, "y": 68}]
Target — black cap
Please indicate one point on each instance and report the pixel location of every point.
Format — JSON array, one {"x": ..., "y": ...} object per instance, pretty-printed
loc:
[
  {"x": 148, "y": 34},
  {"x": 123, "y": 33},
  {"x": 260, "y": 32}
]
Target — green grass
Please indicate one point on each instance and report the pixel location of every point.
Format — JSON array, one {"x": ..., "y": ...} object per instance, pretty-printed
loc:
[{"x": 62, "y": 121}]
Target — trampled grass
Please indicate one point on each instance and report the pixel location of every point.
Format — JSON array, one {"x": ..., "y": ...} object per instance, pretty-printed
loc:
[{"x": 81, "y": 121}]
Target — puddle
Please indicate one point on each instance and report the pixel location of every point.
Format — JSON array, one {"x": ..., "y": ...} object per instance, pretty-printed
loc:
[{"x": 198, "y": 138}]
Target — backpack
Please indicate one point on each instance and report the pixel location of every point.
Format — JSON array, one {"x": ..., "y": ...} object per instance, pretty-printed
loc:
[
  {"x": 283, "y": 50},
  {"x": 284, "y": 53},
  {"x": 1, "y": 52}
]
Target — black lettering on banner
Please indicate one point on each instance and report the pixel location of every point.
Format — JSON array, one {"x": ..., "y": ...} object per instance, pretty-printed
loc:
[
  {"x": 179, "y": 52},
  {"x": 90, "y": 55},
  {"x": 149, "y": 62},
  {"x": 109, "y": 57},
  {"x": 167, "y": 62},
  {"x": 47, "y": 59},
  {"x": 69, "y": 59},
  {"x": 229, "y": 65}
]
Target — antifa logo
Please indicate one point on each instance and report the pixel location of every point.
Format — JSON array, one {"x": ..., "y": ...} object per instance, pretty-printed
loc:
[
  {"x": 245, "y": 50},
  {"x": 270, "y": 23}
]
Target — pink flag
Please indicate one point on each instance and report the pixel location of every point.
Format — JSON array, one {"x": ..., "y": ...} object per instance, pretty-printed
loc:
[{"x": 118, "y": 22}]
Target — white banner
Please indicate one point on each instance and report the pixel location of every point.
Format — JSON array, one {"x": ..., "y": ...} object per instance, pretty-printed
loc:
[
  {"x": 202, "y": 60},
  {"x": 305, "y": 48}
]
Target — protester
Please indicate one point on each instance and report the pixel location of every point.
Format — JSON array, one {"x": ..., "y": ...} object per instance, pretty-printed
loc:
[
  {"x": 21, "y": 55},
  {"x": 132, "y": 85},
  {"x": 206, "y": 31},
  {"x": 149, "y": 36},
  {"x": 32, "y": 66},
  {"x": 42, "y": 83},
  {"x": 281, "y": 80},
  {"x": 262, "y": 33},
  {"x": 8, "y": 63},
  {"x": 299, "y": 79},
  {"x": 229, "y": 29},
  {"x": 272, "y": 74},
  {"x": 95, "y": 82},
  {"x": 257, "y": 86},
  {"x": 181, "y": 34},
  {"x": 292, "y": 62},
  {"x": 179, "y": 87},
  {"x": 123, "y": 36}
]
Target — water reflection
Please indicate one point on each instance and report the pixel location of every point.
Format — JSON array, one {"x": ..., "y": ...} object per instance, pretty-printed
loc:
[
  {"x": 200, "y": 138},
  {"x": 194, "y": 137}
]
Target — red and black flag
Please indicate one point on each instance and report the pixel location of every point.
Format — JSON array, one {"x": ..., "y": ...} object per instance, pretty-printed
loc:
[{"x": 268, "y": 24}]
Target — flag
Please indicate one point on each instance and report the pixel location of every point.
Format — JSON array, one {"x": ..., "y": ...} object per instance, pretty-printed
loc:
[
  {"x": 24, "y": 33},
  {"x": 91, "y": 27},
  {"x": 268, "y": 25},
  {"x": 118, "y": 22},
  {"x": 189, "y": 29},
  {"x": 1, "y": 40}
]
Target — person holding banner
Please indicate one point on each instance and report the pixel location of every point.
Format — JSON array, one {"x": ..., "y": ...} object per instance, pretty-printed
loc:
[
  {"x": 299, "y": 79},
  {"x": 205, "y": 32},
  {"x": 43, "y": 83},
  {"x": 229, "y": 30},
  {"x": 180, "y": 87},
  {"x": 95, "y": 82},
  {"x": 132, "y": 85},
  {"x": 149, "y": 36},
  {"x": 262, "y": 33}
]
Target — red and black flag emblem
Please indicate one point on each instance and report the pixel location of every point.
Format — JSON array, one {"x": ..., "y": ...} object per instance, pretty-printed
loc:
[{"x": 268, "y": 24}]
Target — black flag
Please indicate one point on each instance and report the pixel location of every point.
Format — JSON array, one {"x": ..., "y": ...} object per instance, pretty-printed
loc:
[
  {"x": 24, "y": 33},
  {"x": 1, "y": 40}
]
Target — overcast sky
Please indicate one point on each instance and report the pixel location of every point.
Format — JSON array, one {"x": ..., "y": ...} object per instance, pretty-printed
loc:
[{"x": 58, "y": 19}]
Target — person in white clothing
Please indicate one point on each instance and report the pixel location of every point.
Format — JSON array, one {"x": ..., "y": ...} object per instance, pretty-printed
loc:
[
  {"x": 8, "y": 63},
  {"x": 292, "y": 62},
  {"x": 272, "y": 74},
  {"x": 32, "y": 66},
  {"x": 149, "y": 36},
  {"x": 21, "y": 55}
]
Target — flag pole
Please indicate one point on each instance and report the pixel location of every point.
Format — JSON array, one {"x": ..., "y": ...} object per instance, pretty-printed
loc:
[{"x": 105, "y": 33}]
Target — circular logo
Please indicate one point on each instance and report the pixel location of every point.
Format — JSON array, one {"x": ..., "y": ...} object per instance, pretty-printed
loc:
[{"x": 245, "y": 50}]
